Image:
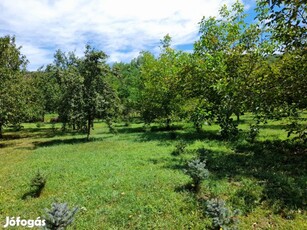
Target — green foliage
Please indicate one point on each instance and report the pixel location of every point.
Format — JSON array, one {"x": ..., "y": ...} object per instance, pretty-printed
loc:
[
  {"x": 199, "y": 116},
  {"x": 161, "y": 97},
  {"x": 287, "y": 19},
  {"x": 126, "y": 80},
  {"x": 221, "y": 216},
  {"x": 225, "y": 58},
  {"x": 180, "y": 148},
  {"x": 38, "y": 182},
  {"x": 197, "y": 170},
  {"x": 37, "y": 185},
  {"x": 12, "y": 96},
  {"x": 229, "y": 129},
  {"x": 253, "y": 133},
  {"x": 300, "y": 130},
  {"x": 84, "y": 91},
  {"x": 59, "y": 216},
  {"x": 112, "y": 129}
]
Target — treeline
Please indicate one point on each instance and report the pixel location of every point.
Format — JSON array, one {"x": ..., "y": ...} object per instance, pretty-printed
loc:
[{"x": 234, "y": 68}]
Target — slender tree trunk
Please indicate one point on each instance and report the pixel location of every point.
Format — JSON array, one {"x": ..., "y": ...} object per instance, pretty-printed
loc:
[
  {"x": 88, "y": 127},
  {"x": 1, "y": 131},
  {"x": 168, "y": 124},
  {"x": 43, "y": 117},
  {"x": 238, "y": 116}
]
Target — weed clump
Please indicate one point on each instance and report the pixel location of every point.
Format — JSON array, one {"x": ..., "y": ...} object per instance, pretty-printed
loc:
[
  {"x": 59, "y": 216},
  {"x": 197, "y": 170},
  {"x": 221, "y": 216}
]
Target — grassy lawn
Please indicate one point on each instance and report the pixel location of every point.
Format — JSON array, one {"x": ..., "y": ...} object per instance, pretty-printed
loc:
[{"x": 132, "y": 181}]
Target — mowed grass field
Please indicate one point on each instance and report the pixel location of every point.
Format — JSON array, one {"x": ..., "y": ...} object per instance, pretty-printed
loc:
[{"x": 130, "y": 180}]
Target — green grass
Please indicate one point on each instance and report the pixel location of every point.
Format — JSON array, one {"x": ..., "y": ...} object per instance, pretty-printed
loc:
[{"x": 131, "y": 180}]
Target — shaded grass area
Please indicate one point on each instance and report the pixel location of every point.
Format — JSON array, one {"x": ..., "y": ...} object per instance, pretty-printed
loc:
[{"x": 131, "y": 180}]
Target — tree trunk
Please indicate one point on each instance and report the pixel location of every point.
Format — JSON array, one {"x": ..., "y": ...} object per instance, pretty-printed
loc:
[
  {"x": 88, "y": 127},
  {"x": 168, "y": 124},
  {"x": 43, "y": 117},
  {"x": 238, "y": 116},
  {"x": 1, "y": 131}
]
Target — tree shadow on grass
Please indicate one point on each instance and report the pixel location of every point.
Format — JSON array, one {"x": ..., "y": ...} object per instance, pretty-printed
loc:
[
  {"x": 279, "y": 127},
  {"x": 35, "y": 133},
  {"x": 280, "y": 165},
  {"x": 189, "y": 136},
  {"x": 131, "y": 130},
  {"x": 71, "y": 141},
  {"x": 32, "y": 194},
  {"x": 2, "y": 145}
]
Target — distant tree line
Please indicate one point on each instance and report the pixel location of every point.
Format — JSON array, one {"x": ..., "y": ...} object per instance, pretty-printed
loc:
[{"x": 235, "y": 67}]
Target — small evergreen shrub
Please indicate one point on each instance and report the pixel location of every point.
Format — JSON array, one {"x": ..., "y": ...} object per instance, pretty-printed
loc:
[
  {"x": 197, "y": 170},
  {"x": 59, "y": 216},
  {"x": 180, "y": 148},
  {"x": 221, "y": 216},
  {"x": 37, "y": 184}
]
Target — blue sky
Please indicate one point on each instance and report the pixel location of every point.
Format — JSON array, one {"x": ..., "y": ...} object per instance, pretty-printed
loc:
[{"x": 121, "y": 28}]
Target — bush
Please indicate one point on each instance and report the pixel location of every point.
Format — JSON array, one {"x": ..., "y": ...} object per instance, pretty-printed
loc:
[
  {"x": 253, "y": 133},
  {"x": 59, "y": 216},
  {"x": 299, "y": 130},
  {"x": 112, "y": 129},
  {"x": 229, "y": 129},
  {"x": 196, "y": 169},
  {"x": 180, "y": 148},
  {"x": 222, "y": 217}
]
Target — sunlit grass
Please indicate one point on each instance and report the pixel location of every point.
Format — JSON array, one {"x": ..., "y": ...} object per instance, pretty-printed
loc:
[{"x": 131, "y": 180}]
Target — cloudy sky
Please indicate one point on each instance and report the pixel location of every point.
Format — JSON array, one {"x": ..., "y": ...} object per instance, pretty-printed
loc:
[{"x": 121, "y": 28}]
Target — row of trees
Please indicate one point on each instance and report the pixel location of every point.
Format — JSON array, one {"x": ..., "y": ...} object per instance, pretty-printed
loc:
[
  {"x": 75, "y": 88},
  {"x": 235, "y": 67}
]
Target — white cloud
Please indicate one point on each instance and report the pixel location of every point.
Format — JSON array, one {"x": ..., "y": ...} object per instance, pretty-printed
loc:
[{"x": 121, "y": 28}]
